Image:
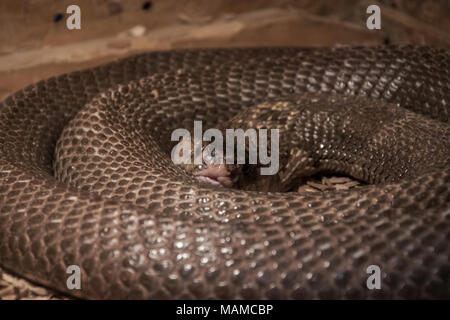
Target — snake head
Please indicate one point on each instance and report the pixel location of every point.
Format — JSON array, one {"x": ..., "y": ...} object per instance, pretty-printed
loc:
[
  {"x": 213, "y": 168},
  {"x": 216, "y": 174}
]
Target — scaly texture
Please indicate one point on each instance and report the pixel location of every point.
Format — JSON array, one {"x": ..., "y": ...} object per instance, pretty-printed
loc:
[{"x": 140, "y": 227}]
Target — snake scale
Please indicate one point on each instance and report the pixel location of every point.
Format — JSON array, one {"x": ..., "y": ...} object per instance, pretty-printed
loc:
[{"x": 86, "y": 177}]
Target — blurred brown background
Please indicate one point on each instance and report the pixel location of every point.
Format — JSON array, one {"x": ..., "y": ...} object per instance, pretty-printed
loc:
[{"x": 35, "y": 42}]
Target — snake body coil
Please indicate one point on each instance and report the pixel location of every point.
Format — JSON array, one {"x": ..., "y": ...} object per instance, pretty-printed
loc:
[{"x": 140, "y": 227}]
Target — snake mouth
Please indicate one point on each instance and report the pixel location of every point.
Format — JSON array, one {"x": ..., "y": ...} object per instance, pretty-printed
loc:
[{"x": 215, "y": 174}]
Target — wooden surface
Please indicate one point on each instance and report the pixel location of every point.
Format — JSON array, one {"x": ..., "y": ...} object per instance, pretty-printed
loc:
[{"x": 34, "y": 45}]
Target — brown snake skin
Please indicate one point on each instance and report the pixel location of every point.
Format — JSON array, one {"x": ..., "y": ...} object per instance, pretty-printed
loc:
[{"x": 140, "y": 227}]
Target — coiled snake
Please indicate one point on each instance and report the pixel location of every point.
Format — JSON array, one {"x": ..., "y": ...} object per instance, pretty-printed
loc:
[{"x": 140, "y": 227}]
